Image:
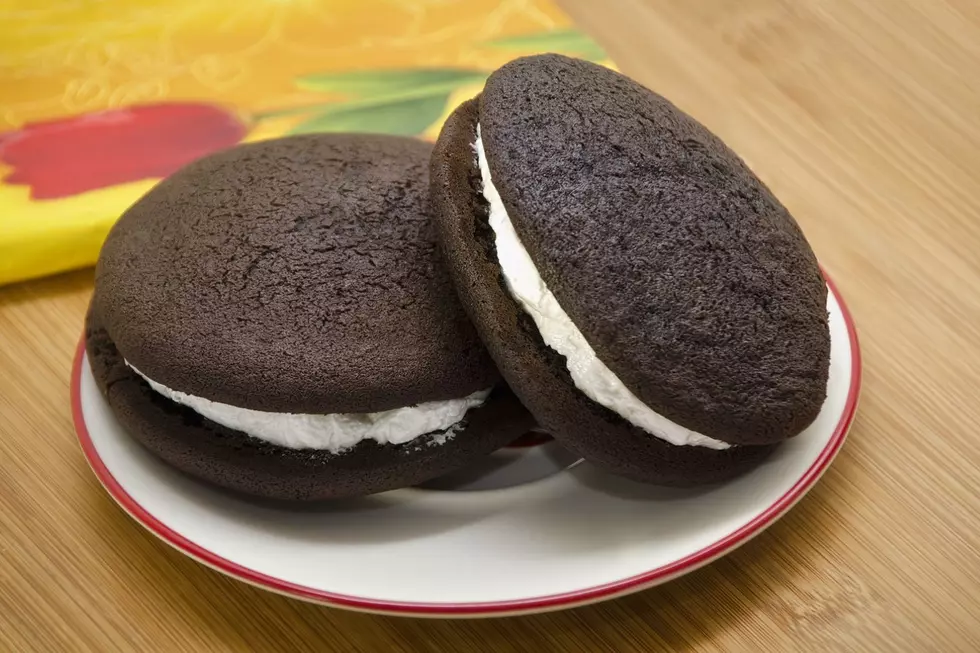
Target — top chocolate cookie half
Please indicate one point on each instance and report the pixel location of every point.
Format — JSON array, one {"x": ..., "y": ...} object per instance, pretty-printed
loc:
[
  {"x": 650, "y": 256},
  {"x": 299, "y": 275}
]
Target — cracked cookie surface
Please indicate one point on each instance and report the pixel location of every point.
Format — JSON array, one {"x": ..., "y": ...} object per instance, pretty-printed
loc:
[
  {"x": 296, "y": 275},
  {"x": 689, "y": 279}
]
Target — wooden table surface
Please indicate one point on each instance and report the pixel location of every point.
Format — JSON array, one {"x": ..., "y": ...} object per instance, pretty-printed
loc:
[{"x": 864, "y": 118}]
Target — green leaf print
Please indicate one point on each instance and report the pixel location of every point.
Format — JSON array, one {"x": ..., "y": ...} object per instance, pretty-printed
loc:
[
  {"x": 567, "y": 41},
  {"x": 406, "y": 83},
  {"x": 403, "y": 117}
]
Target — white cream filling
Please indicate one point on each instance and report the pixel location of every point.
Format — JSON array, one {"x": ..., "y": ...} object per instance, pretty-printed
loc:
[
  {"x": 335, "y": 432},
  {"x": 558, "y": 331}
]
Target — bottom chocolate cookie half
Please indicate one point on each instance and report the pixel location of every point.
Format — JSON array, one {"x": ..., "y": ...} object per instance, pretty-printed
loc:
[
  {"x": 236, "y": 461},
  {"x": 535, "y": 372}
]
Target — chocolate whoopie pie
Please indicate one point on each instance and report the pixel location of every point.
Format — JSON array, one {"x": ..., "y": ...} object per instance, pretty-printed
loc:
[
  {"x": 643, "y": 293},
  {"x": 276, "y": 319}
]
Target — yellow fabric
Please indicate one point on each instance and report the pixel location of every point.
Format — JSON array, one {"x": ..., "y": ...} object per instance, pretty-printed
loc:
[{"x": 273, "y": 66}]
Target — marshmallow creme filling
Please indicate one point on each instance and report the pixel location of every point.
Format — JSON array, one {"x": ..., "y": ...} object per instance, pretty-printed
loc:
[{"x": 335, "y": 432}]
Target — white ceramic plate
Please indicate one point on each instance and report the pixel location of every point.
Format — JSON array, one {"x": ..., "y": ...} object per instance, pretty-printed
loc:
[{"x": 573, "y": 536}]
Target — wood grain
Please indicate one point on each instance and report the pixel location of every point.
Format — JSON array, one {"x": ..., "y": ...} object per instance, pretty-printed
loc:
[{"x": 864, "y": 117}]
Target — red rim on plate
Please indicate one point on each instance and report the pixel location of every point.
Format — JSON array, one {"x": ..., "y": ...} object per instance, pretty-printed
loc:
[{"x": 540, "y": 603}]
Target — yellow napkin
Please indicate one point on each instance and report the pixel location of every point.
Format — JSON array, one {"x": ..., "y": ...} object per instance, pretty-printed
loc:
[{"x": 103, "y": 99}]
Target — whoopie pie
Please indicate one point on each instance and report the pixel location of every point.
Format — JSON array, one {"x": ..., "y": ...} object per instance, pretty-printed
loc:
[
  {"x": 641, "y": 290},
  {"x": 275, "y": 319}
]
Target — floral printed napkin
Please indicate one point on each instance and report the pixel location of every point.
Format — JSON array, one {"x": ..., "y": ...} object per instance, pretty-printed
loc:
[{"x": 103, "y": 99}]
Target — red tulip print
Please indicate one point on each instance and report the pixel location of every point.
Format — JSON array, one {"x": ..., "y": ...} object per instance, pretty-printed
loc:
[{"x": 64, "y": 157}]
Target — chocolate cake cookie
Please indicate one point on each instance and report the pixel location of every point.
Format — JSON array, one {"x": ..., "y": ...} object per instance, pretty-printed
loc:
[
  {"x": 276, "y": 319},
  {"x": 644, "y": 294}
]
